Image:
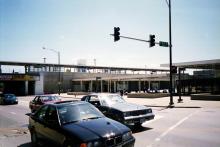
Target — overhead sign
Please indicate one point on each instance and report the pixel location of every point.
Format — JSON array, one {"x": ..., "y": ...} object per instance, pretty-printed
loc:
[
  {"x": 18, "y": 78},
  {"x": 164, "y": 44}
]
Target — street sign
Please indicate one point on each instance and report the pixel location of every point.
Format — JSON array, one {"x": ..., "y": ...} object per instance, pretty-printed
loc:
[{"x": 164, "y": 44}]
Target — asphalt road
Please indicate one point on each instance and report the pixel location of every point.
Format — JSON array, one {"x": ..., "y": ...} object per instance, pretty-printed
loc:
[{"x": 172, "y": 127}]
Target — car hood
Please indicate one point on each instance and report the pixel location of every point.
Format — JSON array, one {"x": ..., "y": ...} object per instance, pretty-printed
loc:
[
  {"x": 124, "y": 107},
  {"x": 95, "y": 128}
]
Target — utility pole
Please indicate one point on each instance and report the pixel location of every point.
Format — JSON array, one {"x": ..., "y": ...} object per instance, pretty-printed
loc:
[
  {"x": 59, "y": 69},
  {"x": 44, "y": 59}
]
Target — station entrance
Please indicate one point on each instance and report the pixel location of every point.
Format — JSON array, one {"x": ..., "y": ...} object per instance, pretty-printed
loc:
[{"x": 17, "y": 84}]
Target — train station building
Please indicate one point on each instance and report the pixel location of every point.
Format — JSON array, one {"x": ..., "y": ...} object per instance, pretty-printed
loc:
[{"x": 44, "y": 78}]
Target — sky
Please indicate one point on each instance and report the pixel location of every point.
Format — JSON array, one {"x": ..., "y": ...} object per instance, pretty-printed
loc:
[{"x": 80, "y": 30}]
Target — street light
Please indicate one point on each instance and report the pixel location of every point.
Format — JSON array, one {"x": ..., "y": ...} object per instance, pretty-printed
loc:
[{"x": 58, "y": 54}]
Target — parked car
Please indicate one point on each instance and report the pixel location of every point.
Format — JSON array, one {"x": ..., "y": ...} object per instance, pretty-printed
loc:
[
  {"x": 8, "y": 99},
  {"x": 41, "y": 100},
  {"x": 115, "y": 107},
  {"x": 76, "y": 124}
]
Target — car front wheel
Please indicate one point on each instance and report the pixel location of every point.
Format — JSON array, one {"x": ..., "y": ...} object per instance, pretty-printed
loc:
[{"x": 138, "y": 125}]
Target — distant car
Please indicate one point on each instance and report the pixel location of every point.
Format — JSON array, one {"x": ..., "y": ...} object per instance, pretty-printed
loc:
[
  {"x": 115, "y": 107},
  {"x": 41, "y": 100},
  {"x": 8, "y": 99},
  {"x": 76, "y": 124}
]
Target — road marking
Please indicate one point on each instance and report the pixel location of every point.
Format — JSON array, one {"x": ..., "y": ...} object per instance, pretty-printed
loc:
[
  {"x": 155, "y": 118},
  {"x": 13, "y": 113},
  {"x": 172, "y": 127},
  {"x": 23, "y": 103}
]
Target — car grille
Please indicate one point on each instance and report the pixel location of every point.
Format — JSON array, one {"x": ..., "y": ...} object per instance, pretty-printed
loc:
[
  {"x": 139, "y": 112},
  {"x": 113, "y": 141}
]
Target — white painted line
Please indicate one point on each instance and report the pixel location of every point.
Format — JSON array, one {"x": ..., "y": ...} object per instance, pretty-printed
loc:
[
  {"x": 23, "y": 103},
  {"x": 155, "y": 118},
  {"x": 13, "y": 113},
  {"x": 172, "y": 127}
]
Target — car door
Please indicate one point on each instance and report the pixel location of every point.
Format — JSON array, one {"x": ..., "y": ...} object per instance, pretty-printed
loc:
[
  {"x": 37, "y": 122},
  {"x": 52, "y": 126}
]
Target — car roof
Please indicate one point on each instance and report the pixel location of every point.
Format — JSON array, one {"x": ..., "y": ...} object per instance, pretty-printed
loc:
[
  {"x": 45, "y": 95},
  {"x": 63, "y": 103},
  {"x": 103, "y": 94},
  {"x": 8, "y": 94}
]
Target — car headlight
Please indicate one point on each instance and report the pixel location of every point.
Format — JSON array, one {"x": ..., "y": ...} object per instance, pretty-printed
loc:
[
  {"x": 92, "y": 144},
  {"x": 126, "y": 114},
  {"x": 127, "y": 136},
  {"x": 149, "y": 110}
]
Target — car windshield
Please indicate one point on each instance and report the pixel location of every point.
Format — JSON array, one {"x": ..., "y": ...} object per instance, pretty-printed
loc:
[
  {"x": 9, "y": 96},
  {"x": 112, "y": 99},
  {"x": 74, "y": 113},
  {"x": 50, "y": 98}
]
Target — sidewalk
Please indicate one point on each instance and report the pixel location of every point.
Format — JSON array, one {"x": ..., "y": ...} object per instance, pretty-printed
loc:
[{"x": 163, "y": 101}]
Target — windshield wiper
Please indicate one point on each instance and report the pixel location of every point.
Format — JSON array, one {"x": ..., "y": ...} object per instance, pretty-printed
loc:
[
  {"x": 69, "y": 122},
  {"x": 92, "y": 118}
]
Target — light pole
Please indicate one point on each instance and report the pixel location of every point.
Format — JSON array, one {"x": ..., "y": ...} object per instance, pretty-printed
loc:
[
  {"x": 59, "y": 78},
  {"x": 44, "y": 59}
]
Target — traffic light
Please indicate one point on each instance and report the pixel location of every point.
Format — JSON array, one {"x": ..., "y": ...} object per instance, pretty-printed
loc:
[
  {"x": 116, "y": 34},
  {"x": 173, "y": 69},
  {"x": 152, "y": 40}
]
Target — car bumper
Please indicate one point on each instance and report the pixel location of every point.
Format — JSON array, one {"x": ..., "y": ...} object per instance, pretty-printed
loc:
[
  {"x": 131, "y": 120},
  {"x": 129, "y": 143},
  {"x": 10, "y": 101}
]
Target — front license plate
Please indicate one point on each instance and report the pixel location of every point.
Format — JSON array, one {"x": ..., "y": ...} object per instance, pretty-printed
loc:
[{"x": 142, "y": 120}]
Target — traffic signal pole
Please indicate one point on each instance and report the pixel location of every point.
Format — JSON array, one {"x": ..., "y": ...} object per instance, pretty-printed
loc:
[
  {"x": 170, "y": 45},
  {"x": 152, "y": 43}
]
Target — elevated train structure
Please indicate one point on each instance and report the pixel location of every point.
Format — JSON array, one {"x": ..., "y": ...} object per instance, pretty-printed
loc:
[{"x": 43, "y": 78}]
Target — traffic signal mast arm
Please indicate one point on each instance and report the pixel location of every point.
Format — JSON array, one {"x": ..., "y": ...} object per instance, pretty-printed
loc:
[
  {"x": 159, "y": 43},
  {"x": 134, "y": 39}
]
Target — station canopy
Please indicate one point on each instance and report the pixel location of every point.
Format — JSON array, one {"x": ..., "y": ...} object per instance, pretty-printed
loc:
[{"x": 204, "y": 64}]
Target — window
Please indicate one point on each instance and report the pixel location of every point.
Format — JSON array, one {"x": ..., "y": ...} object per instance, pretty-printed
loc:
[
  {"x": 41, "y": 114},
  {"x": 52, "y": 115},
  {"x": 94, "y": 100}
]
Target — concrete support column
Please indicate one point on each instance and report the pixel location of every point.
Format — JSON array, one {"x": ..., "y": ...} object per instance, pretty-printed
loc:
[
  {"x": 139, "y": 85},
  {"x": 159, "y": 85},
  {"x": 108, "y": 86},
  {"x": 81, "y": 85},
  {"x": 149, "y": 85},
  {"x": 91, "y": 87},
  {"x": 114, "y": 86},
  {"x": 101, "y": 85},
  {"x": 26, "y": 87},
  {"x": 124, "y": 85}
]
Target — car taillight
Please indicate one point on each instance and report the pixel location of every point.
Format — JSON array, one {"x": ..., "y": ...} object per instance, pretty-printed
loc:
[{"x": 83, "y": 145}]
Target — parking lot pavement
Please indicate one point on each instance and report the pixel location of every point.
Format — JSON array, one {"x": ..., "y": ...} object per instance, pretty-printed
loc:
[
  {"x": 161, "y": 103},
  {"x": 155, "y": 103}
]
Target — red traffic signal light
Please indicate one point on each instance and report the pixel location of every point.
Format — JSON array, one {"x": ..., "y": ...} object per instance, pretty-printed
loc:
[
  {"x": 152, "y": 40},
  {"x": 116, "y": 33}
]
